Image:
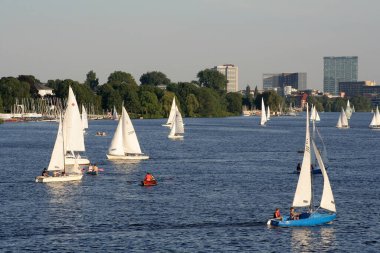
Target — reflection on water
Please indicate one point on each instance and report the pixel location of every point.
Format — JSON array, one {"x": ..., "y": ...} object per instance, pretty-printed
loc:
[
  {"x": 312, "y": 239},
  {"x": 60, "y": 192}
]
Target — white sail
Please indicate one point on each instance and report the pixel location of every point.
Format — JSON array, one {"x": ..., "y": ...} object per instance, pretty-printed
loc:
[
  {"x": 302, "y": 196},
  {"x": 314, "y": 115},
  {"x": 344, "y": 119},
  {"x": 339, "y": 124},
  {"x": 116, "y": 147},
  {"x": 57, "y": 156},
  {"x": 130, "y": 143},
  {"x": 179, "y": 122},
  {"x": 348, "y": 110},
  {"x": 263, "y": 116},
  {"x": 375, "y": 123},
  {"x": 172, "y": 113},
  {"x": 73, "y": 129},
  {"x": 268, "y": 113},
  {"x": 114, "y": 114},
  {"x": 84, "y": 118},
  {"x": 327, "y": 200},
  {"x": 312, "y": 112}
]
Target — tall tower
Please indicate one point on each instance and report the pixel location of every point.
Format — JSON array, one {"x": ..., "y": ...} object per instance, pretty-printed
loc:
[
  {"x": 339, "y": 69},
  {"x": 232, "y": 74}
]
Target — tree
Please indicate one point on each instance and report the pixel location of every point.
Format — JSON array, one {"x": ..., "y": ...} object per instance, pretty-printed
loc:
[
  {"x": 12, "y": 89},
  {"x": 149, "y": 104},
  {"x": 154, "y": 78},
  {"x": 210, "y": 104},
  {"x": 234, "y": 101},
  {"x": 91, "y": 80},
  {"x": 121, "y": 77},
  {"x": 192, "y": 105},
  {"x": 212, "y": 79},
  {"x": 362, "y": 104},
  {"x": 1, "y": 105},
  {"x": 248, "y": 98},
  {"x": 167, "y": 101}
]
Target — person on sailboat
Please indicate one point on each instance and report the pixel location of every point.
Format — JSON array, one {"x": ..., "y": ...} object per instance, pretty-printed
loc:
[
  {"x": 149, "y": 177},
  {"x": 277, "y": 214},
  {"x": 293, "y": 214},
  {"x": 45, "y": 173},
  {"x": 298, "y": 167},
  {"x": 95, "y": 168}
]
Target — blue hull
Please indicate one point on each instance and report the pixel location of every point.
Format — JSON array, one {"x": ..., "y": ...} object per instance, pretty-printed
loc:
[{"x": 305, "y": 220}]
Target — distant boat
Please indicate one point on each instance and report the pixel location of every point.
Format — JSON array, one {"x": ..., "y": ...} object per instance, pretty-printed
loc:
[
  {"x": 84, "y": 118},
  {"x": 60, "y": 171},
  {"x": 348, "y": 110},
  {"x": 177, "y": 129},
  {"x": 115, "y": 116},
  {"x": 263, "y": 116},
  {"x": 314, "y": 114},
  {"x": 342, "y": 121},
  {"x": 268, "y": 113},
  {"x": 303, "y": 197},
  {"x": 124, "y": 144},
  {"x": 375, "y": 123},
  {"x": 173, "y": 111}
]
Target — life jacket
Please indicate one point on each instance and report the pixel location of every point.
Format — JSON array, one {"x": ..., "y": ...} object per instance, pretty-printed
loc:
[
  {"x": 148, "y": 177},
  {"x": 277, "y": 214}
]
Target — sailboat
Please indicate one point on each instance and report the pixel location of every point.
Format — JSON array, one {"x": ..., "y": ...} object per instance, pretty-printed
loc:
[
  {"x": 342, "y": 121},
  {"x": 375, "y": 123},
  {"x": 114, "y": 114},
  {"x": 57, "y": 163},
  {"x": 263, "y": 115},
  {"x": 348, "y": 110},
  {"x": 172, "y": 114},
  {"x": 303, "y": 197},
  {"x": 314, "y": 114},
  {"x": 84, "y": 118},
  {"x": 268, "y": 113},
  {"x": 177, "y": 129},
  {"x": 124, "y": 144},
  {"x": 73, "y": 132}
]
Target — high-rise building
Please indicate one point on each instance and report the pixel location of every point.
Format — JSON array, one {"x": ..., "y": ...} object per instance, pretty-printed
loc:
[
  {"x": 232, "y": 74},
  {"x": 338, "y": 69},
  {"x": 281, "y": 80}
]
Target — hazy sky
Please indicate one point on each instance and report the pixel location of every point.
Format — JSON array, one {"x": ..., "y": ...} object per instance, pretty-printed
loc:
[{"x": 66, "y": 39}]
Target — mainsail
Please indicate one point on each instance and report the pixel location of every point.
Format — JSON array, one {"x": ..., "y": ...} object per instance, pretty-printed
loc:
[
  {"x": 84, "y": 118},
  {"x": 263, "y": 116},
  {"x": 130, "y": 143},
  {"x": 57, "y": 156},
  {"x": 172, "y": 113}
]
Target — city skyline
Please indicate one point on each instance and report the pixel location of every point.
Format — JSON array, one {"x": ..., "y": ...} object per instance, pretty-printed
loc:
[{"x": 67, "y": 39}]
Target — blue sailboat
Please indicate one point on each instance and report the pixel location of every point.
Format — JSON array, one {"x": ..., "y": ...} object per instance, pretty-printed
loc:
[{"x": 303, "y": 197}]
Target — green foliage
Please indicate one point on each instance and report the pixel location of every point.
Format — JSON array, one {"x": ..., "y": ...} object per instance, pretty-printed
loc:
[
  {"x": 120, "y": 77},
  {"x": 91, "y": 80},
  {"x": 31, "y": 80},
  {"x": 192, "y": 105},
  {"x": 362, "y": 104},
  {"x": 212, "y": 79},
  {"x": 12, "y": 89},
  {"x": 154, "y": 78},
  {"x": 149, "y": 104},
  {"x": 234, "y": 102},
  {"x": 271, "y": 99},
  {"x": 248, "y": 98},
  {"x": 167, "y": 101},
  {"x": 1, "y": 105}
]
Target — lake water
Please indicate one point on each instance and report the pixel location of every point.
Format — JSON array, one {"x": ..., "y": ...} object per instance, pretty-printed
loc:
[{"x": 217, "y": 188}]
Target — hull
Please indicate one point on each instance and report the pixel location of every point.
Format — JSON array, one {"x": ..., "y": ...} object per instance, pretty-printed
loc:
[
  {"x": 42, "y": 179},
  {"x": 81, "y": 161},
  {"x": 166, "y": 125},
  {"x": 127, "y": 157},
  {"x": 148, "y": 183},
  {"x": 92, "y": 173},
  {"x": 375, "y": 127},
  {"x": 343, "y": 127},
  {"x": 175, "y": 137},
  {"x": 305, "y": 220}
]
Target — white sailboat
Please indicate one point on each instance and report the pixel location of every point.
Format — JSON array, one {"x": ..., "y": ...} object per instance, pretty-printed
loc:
[
  {"x": 348, "y": 110},
  {"x": 57, "y": 163},
  {"x": 124, "y": 144},
  {"x": 84, "y": 118},
  {"x": 303, "y": 197},
  {"x": 268, "y": 113},
  {"x": 263, "y": 115},
  {"x": 177, "y": 129},
  {"x": 172, "y": 114},
  {"x": 114, "y": 114},
  {"x": 314, "y": 115},
  {"x": 73, "y": 132},
  {"x": 342, "y": 121},
  {"x": 375, "y": 123}
]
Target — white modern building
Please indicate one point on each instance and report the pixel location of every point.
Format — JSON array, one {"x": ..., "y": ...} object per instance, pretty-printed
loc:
[{"x": 232, "y": 74}]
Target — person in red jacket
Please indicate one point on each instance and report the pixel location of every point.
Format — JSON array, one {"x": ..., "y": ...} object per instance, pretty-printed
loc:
[
  {"x": 277, "y": 214},
  {"x": 149, "y": 177}
]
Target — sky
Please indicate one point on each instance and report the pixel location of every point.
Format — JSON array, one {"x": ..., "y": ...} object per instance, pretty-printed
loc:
[{"x": 65, "y": 39}]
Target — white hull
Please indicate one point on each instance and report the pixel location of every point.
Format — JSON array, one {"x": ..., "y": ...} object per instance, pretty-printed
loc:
[
  {"x": 127, "y": 157},
  {"x": 80, "y": 161},
  {"x": 343, "y": 127},
  {"x": 167, "y": 125},
  {"x": 74, "y": 177},
  {"x": 175, "y": 137}
]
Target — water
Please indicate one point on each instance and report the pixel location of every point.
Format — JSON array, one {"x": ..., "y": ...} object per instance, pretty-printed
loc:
[{"x": 217, "y": 188}]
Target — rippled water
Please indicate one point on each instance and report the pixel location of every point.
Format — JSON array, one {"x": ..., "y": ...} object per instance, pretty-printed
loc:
[{"x": 217, "y": 188}]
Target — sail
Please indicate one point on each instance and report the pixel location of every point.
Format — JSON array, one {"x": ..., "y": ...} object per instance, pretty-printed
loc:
[
  {"x": 72, "y": 125},
  {"x": 172, "y": 113},
  {"x": 344, "y": 119},
  {"x": 373, "y": 121},
  {"x": 179, "y": 129},
  {"x": 268, "y": 113},
  {"x": 302, "y": 196},
  {"x": 114, "y": 115},
  {"x": 57, "y": 156},
  {"x": 339, "y": 124},
  {"x": 348, "y": 110},
  {"x": 130, "y": 143},
  {"x": 263, "y": 116},
  {"x": 84, "y": 118},
  {"x": 116, "y": 147},
  {"x": 314, "y": 115},
  {"x": 173, "y": 129}
]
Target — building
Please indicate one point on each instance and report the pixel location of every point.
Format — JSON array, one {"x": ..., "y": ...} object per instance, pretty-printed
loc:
[
  {"x": 232, "y": 74},
  {"x": 361, "y": 88},
  {"x": 281, "y": 80},
  {"x": 43, "y": 90},
  {"x": 338, "y": 69}
]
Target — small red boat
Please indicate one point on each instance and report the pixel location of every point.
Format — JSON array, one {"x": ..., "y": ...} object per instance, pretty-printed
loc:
[{"x": 148, "y": 183}]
